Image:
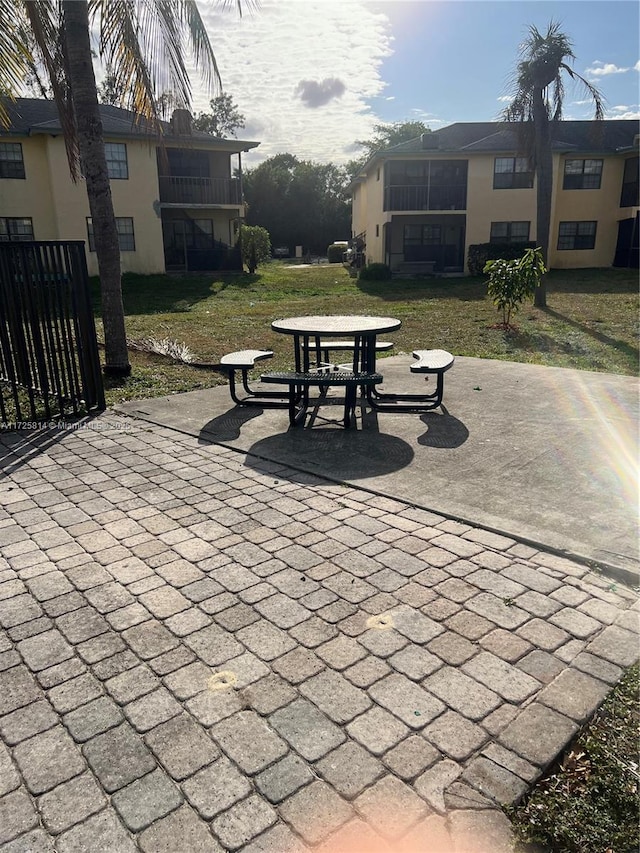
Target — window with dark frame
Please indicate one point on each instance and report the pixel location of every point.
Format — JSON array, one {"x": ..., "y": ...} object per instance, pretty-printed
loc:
[
  {"x": 15, "y": 229},
  {"x": 509, "y": 232},
  {"x": 126, "y": 237},
  {"x": 512, "y": 173},
  {"x": 630, "y": 195},
  {"x": 582, "y": 174},
  {"x": 188, "y": 234},
  {"x": 576, "y": 235},
  {"x": 203, "y": 233},
  {"x": 117, "y": 165},
  {"x": 422, "y": 235},
  {"x": 11, "y": 162}
]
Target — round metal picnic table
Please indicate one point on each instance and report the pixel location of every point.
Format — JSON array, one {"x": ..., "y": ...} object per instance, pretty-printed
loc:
[{"x": 363, "y": 329}]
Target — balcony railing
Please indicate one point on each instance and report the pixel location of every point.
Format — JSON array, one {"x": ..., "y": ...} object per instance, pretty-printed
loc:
[
  {"x": 187, "y": 190},
  {"x": 425, "y": 198}
]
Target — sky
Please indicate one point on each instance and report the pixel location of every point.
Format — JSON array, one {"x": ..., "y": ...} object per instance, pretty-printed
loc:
[{"x": 314, "y": 76}]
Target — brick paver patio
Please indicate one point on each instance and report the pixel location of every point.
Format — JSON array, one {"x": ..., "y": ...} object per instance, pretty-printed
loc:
[{"x": 203, "y": 652}]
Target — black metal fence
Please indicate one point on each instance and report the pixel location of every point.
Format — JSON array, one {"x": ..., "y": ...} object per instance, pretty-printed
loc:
[{"x": 49, "y": 363}]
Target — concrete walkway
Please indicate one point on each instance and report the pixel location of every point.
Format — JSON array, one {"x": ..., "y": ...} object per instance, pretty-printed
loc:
[
  {"x": 547, "y": 455},
  {"x": 205, "y": 651}
]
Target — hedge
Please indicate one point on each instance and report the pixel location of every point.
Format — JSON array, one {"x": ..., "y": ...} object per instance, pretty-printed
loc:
[
  {"x": 375, "y": 272},
  {"x": 335, "y": 253},
  {"x": 480, "y": 253}
]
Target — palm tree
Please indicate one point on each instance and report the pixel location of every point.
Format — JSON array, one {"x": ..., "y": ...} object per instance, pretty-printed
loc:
[
  {"x": 538, "y": 95},
  {"x": 146, "y": 44}
]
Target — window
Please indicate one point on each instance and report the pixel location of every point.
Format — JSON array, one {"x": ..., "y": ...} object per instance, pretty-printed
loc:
[
  {"x": 422, "y": 235},
  {"x": 582, "y": 174},
  {"x": 202, "y": 233},
  {"x": 188, "y": 234},
  {"x": 11, "y": 162},
  {"x": 186, "y": 163},
  {"x": 117, "y": 160},
  {"x": 630, "y": 195},
  {"x": 509, "y": 232},
  {"x": 511, "y": 173},
  {"x": 12, "y": 229},
  {"x": 126, "y": 238},
  {"x": 577, "y": 235}
]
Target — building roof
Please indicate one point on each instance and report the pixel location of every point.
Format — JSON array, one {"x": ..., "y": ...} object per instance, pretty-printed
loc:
[
  {"x": 606, "y": 137},
  {"x": 29, "y": 116},
  {"x": 479, "y": 137}
]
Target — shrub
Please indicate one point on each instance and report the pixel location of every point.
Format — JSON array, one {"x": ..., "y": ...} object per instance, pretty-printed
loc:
[
  {"x": 375, "y": 272},
  {"x": 511, "y": 282},
  {"x": 335, "y": 253},
  {"x": 256, "y": 246},
  {"x": 480, "y": 253}
]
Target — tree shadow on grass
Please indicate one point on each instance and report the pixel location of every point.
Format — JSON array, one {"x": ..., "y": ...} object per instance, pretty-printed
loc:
[
  {"x": 621, "y": 346},
  {"x": 596, "y": 281},
  {"x": 170, "y": 294},
  {"x": 466, "y": 289}
]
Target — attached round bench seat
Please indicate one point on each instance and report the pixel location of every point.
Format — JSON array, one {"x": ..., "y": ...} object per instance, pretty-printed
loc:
[
  {"x": 244, "y": 359},
  {"x": 299, "y": 383},
  {"x": 431, "y": 361},
  {"x": 346, "y": 378}
]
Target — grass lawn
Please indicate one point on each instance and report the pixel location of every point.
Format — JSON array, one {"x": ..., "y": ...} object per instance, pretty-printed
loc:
[
  {"x": 588, "y": 801},
  {"x": 591, "y": 322}
]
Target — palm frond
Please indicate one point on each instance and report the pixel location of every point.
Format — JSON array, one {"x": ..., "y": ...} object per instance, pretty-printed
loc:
[
  {"x": 597, "y": 96},
  {"x": 119, "y": 46},
  {"x": 148, "y": 42},
  {"x": 46, "y": 26},
  {"x": 199, "y": 43},
  {"x": 15, "y": 56}
]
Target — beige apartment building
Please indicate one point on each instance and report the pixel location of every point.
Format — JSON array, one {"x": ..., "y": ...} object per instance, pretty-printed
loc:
[
  {"x": 428, "y": 200},
  {"x": 178, "y": 205}
]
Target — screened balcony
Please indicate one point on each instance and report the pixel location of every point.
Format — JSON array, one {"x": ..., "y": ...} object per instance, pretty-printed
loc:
[
  {"x": 186, "y": 189},
  {"x": 425, "y": 185},
  {"x": 189, "y": 177}
]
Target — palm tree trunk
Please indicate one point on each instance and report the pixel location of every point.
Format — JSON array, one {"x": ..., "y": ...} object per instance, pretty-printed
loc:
[
  {"x": 84, "y": 98},
  {"x": 544, "y": 186}
]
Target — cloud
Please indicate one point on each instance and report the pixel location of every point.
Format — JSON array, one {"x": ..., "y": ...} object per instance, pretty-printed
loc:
[
  {"x": 603, "y": 69},
  {"x": 623, "y": 111},
  {"x": 314, "y": 94},
  {"x": 636, "y": 67},
  {"x": 267, "y": 53}
]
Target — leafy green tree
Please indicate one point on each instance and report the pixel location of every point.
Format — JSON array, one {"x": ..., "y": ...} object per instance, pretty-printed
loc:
[
  {"x": 223, "y": 120},
  {"x": 538, "y": 99},
  {"x": 300, "y": 202},
  {"x": 255, "y": 246},
  {"x": 511, "y": 282},
  {"x": 146, "y": 45},
  {"x": 109, "y": 92},
  {"x": 385, "y": 136}
]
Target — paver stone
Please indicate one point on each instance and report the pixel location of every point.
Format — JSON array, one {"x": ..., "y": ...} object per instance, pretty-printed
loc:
[
  {"x": 48, "y": 759},
  {"x": 216, "y": 788},
  {"x": 249, "y": 741}
]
